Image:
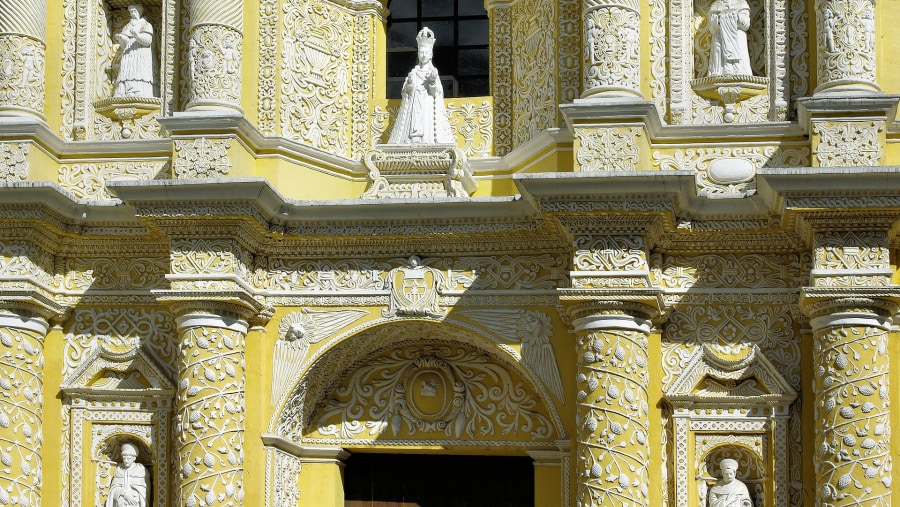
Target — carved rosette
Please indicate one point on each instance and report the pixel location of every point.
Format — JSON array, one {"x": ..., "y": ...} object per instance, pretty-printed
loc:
[
  {"x": 21, "y": 74},
  {"x": 612, "y": 48},
  {"x": 21, "y": 408},
  {"x": 612, "y": 415},
  {"x": 210, "y": 411},
  {"x": 848, "y": 143},
  {"x": 215, "y": 67},
  {"x": 201, "y": 158},
  {"x": 846, "y": 41},
  {"x": 852, "y": 458},
  {"x": 608, "y": 149},
  {"x": 13, "y": 164}
]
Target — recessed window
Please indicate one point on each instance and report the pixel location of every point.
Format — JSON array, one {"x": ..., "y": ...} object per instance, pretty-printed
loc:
[{"x": 461, "y": 52}]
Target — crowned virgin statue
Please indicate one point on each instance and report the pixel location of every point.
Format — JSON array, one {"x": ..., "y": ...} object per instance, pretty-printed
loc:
[{"x": 422, "y": 118}]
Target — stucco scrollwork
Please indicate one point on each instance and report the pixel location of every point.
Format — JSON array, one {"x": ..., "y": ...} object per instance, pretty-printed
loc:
[
  {"x": 502, "y": 76},
  {"x": 846, "y": 38},
  {"x": 610, "y": 253},
  {"x": 316, "y": 103},
  {"x": 851, "y": 250},
  {"x": 215, "y": 65},
  {"x": 608, "y": 149},
  {"x": 268, "y": 56},
  {"x": 88, "y": 181},
  {"x": 432, "y": 391},
  {"x": 13, "y": 162},
  {"x": 612, "y": 53},
  {"x": 283, "y": 471},
  {"x": 474, "y": 124},
  {"x": 534, "y": 100},
  {"x": 201, "y": 158}
]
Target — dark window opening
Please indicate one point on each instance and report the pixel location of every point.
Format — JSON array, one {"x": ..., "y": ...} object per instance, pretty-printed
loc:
[
  {"x": 418, "y": 480},
  {"x": 461, "y": 53}
]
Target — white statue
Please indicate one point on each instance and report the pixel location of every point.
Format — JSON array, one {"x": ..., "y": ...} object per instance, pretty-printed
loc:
[
  {"x": 130, "y": 482},
  {"x": 829, "y": 27},
  {"x": 136, "y": 77},
  {"x": 729, "y": 21},
  {"x": 728, "y": 491},
  {"x": 422, "y": 118}
]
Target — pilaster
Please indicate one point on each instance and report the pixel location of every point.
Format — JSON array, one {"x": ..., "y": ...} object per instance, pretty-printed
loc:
[
  {"x": 850, "y": 303},
  {"x": 24, "y": 322},
  {"x": 22, "y": 51},
  {"x": 845, "y": 130},
  {"x": 215, "y": 53}
]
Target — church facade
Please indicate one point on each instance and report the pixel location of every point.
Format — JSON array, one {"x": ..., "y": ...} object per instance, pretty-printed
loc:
[{"x": 661, "y": 251}]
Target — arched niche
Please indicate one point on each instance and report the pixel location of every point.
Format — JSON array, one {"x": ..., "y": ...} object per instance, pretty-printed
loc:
[
  {"x": 730, "y": 406},
  {"x": 398, "y": 342},
  {"x": 106, "y": 453}
]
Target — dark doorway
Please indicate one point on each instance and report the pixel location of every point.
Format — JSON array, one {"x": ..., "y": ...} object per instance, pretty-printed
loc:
[{"x": 417, "y": 480}]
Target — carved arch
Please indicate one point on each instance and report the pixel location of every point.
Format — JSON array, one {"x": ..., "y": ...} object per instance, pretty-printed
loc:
[{"x": 344, "y": 354}]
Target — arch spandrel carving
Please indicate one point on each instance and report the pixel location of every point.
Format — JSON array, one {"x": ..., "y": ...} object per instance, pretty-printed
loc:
[{"x": 429, "y": 354}]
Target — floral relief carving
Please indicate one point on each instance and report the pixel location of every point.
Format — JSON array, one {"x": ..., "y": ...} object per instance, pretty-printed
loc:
[
  {"x": 852, "y": 416},
  {"x": 215, "y": 65},
  {"x": 612, "y": 419},
  {"x": 123, "y": 273},
  {"x": 534, "y": 101},
  {"x": 315, "y": 75},
  {"x": 284, "y": 470},
  {"x": 209, "y": 257},
  {"x": 728, "y": 271},
  {"x": 502, "y": 76},
  {"x": 569, "y": 50},
  {"x": 429, "y": 391},
  {"x": 268, "y": 57},
  {"x": 201, "y": 158},
  {"x": 209, "y": 424},
  {"x": 88, "y": 181},
  {"x": 21, "y": 416},
  {"x": 13, "y": 164},
  {"x": 363, "y": 43},
  {"x": 322, "y": 276},
  {"x": 848, "y": 143},
  {"x": 608, "y": 149},
  {"x": 846, "y": 37},
  {"x": 22, "y": 72},
  {"x": 611, "y": 41},
  {"x": 474, "y": 124},
  {"x": 851, "y": 250}
]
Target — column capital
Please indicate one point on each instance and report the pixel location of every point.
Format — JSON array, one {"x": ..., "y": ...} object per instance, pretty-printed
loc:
[
  {"x": 831, "y": 306},
  {"x": 233, "y": 308},
  {"x": 616, "y": 308},
  {"x": 30, "y": 301}
]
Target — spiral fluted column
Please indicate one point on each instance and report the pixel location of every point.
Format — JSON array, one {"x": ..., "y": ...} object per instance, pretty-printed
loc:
[
  {"x": 612, "y": 412},
  {"x": 612, "y": 59},
  {"x": 216, "y": 41},
  {"x": 852, "y": 406},
  {"x": 845, "y": 38},
  {"x": 23, "y": 26}
]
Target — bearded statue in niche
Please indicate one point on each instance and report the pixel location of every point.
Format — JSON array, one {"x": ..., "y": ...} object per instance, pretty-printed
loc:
[{"x": 136, "y": 77}]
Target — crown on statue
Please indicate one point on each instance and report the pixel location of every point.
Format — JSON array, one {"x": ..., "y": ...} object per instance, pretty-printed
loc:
[{"x": 425, "y": 38}]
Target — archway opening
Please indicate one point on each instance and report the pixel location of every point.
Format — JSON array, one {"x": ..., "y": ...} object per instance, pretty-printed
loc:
[{"x": 419, "y": 480}]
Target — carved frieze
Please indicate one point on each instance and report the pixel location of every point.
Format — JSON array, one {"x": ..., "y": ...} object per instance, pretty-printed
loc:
[
  {"x": 268, "y": 59},
  {"x": 848, "y": 143},
  {"x": 845, "y": 38},
  {"x": 473, "y": 124},
  {"x": 215, "y": 66},
  {"x": 612, "y": 48},
  {"x": 728, "y": 271},
  {"x": 502, "y": 76},
  {"x": 13, "y": 162},
  {"x": 608, "y": 149},
  {"x": 534, "y": 69}
]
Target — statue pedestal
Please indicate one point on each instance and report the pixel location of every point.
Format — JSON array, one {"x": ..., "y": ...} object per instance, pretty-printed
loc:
[
  {"x": 414, "y": 171},
  {"x": 126, "y": 110},
  {"x": 729, "y": 89}
]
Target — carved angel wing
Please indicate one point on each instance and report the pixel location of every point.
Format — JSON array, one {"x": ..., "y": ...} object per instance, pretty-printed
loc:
[
  {"x": 297, "y": 331},
  {"x": 533, "y": 329}
]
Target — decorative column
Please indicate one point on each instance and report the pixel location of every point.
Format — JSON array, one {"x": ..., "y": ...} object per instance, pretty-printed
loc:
[
  {"x": 216, "y": 39},
  {"x": 23, "y": 327},
  {"x": 612, "y": 65},
  {"x": 850, "y": 304},
  {"x": 845, "y": 38},
  {"x": 22, "y": 45},
  {"x": 611, "y": 304},
  {"x": 209, "y": 404}
]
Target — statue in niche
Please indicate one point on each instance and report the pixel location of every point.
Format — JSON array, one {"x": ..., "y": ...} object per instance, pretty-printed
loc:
[
  {"x": 130, "y": 482},
  {"x": 729, "y": 21},
  {"x": 728, "y": 491},
  {"x": 422, "y": 118},
  {"x": 136, "y": 77}
]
